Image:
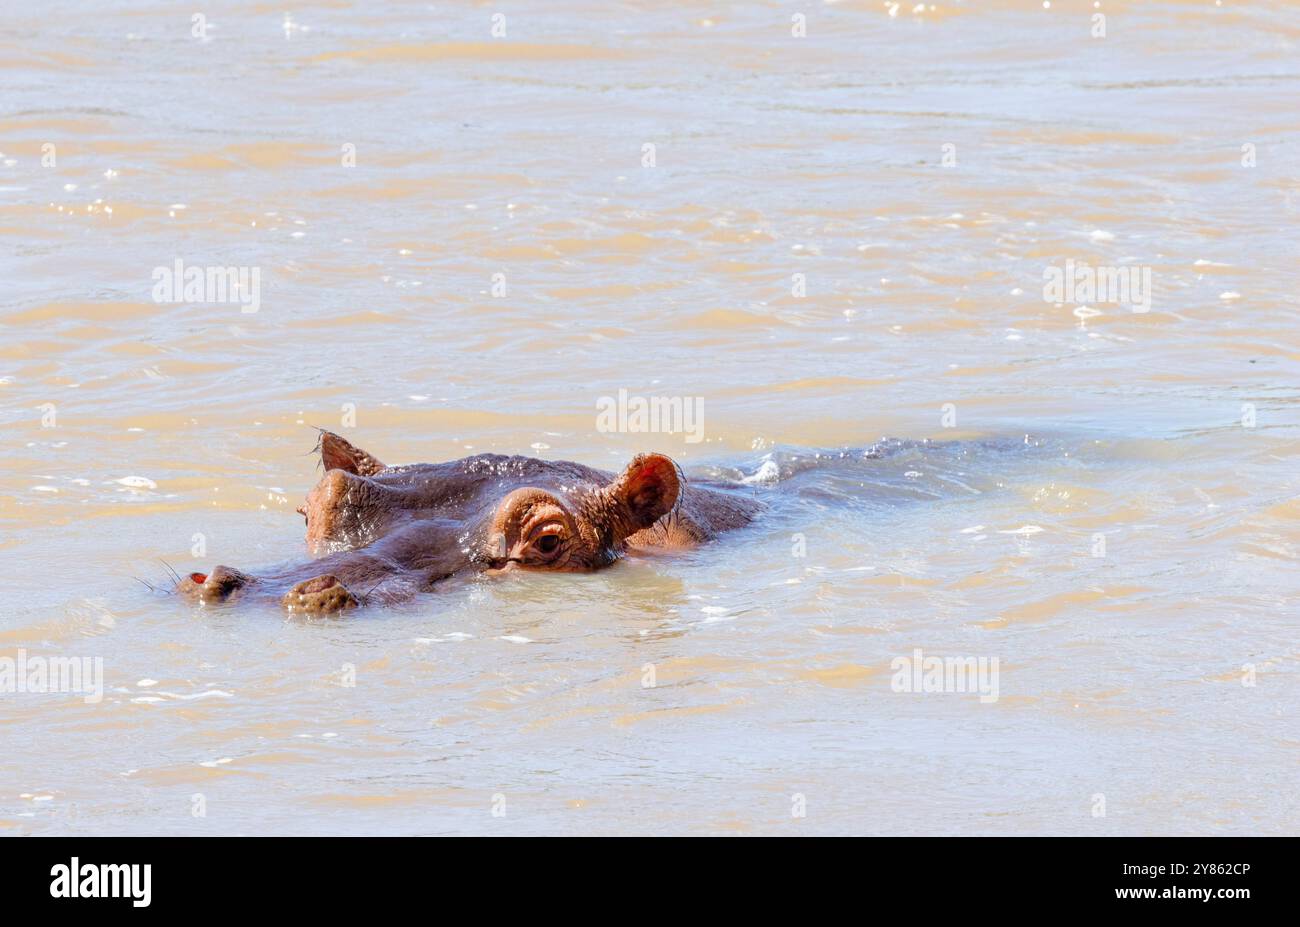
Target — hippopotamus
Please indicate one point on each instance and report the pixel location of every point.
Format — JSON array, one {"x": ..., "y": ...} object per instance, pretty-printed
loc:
[{"x": 383, "y": 534}]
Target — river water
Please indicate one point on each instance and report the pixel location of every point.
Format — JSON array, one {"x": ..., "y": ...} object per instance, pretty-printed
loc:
[{"x": 464, "y": 240}]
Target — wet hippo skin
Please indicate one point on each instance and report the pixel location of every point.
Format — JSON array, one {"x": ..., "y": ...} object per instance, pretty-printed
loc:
[{"x": 384, "y": 534}]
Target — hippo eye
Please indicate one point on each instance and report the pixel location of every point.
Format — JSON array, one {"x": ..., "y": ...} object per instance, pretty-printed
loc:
[
  {"x": 548, "y": 543},
  {"x": 547, "y": 539}
]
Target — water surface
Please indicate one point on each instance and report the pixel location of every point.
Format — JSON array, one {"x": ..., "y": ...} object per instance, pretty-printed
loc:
[{"x": 1029, "y": 429}]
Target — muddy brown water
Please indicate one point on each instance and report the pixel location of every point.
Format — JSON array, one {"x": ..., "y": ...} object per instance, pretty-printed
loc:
[{"x": 1131, "y": 564}]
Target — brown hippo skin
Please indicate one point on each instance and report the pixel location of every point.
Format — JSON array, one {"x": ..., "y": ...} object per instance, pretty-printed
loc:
[{"x": 384, "y": 534}]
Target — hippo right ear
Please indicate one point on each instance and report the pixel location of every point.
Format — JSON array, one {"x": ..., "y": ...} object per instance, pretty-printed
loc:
[
  {"x": 338, "y": 454},
  {"x": 645, "y": 492}
]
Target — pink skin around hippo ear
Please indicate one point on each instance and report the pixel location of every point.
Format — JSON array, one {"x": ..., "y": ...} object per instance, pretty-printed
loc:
[{"x": 642, "y": 494}]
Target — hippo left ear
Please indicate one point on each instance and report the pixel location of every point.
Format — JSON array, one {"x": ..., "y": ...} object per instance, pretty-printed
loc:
[
  {"x": 338, "y": 454},
  {"x": 643, "y": 493}
]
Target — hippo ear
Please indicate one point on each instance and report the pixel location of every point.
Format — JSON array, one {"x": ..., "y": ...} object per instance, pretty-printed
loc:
[
  {"x": 643, "y": 493},
  {"x": 338, "y": 454}
]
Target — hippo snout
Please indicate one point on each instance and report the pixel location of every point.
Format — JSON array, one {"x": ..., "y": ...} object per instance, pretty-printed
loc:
[{"x": 322, "y": 595}]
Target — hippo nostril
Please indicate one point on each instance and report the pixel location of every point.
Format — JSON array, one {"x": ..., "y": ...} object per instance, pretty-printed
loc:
[
  {"x": 321, "y": 595},
  {"x": 218, "y": 585}
]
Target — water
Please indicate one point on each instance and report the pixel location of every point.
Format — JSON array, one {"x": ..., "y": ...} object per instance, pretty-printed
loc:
[{"x": 1122, "y": 661}]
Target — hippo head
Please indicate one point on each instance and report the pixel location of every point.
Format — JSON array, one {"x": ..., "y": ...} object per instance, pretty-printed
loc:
[
  {"x": 390, "y": 531},
  {"x": 487, "y": 511}
]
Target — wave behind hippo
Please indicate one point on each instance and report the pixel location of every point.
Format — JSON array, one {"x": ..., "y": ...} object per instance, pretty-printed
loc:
[{"x": 385, "y": 534}]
